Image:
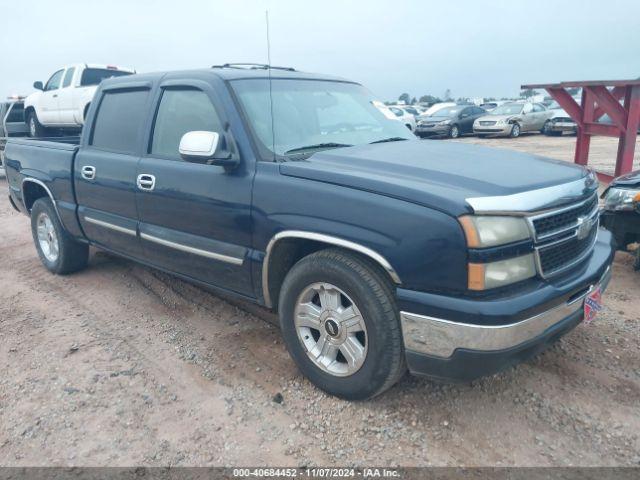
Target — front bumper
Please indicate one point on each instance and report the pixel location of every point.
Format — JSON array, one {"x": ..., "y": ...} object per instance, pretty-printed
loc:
[
  {"x": 562, "y": 127},
  {"x": 462, "y": 351},
  {"x": 437, "y": 130},
  {"x": 625, "y": 226},
  {"x": 492, "y": 129}
]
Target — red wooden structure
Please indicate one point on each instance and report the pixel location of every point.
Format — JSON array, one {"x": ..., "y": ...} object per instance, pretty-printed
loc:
[{"x": 600, "y": 98}]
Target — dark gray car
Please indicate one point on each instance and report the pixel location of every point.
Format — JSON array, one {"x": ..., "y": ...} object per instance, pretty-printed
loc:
[{"x": 449, "y": 122}]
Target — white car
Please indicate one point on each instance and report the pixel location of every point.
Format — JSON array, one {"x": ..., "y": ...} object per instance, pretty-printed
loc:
[
  {"x": 405, "y": 117},
  {"x": 437, "y": 106},
  {"x": 64, "y": 100}
]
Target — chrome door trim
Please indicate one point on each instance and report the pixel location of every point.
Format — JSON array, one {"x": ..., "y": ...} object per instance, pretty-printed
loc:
[
  {"x": 195, "y": 251},
  {"x": 525, "y": 203},
  {"x": 110, "y": 226},
  {"x": 320, "y": 237}
]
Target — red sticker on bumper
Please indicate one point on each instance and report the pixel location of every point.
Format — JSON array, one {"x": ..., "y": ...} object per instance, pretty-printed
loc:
[{"x": 592, "y": 305}]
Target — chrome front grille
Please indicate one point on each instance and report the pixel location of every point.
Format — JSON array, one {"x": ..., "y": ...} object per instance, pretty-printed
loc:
[
  {"x": 564, "y": 237},
  {"x": 487, "y": 123}
]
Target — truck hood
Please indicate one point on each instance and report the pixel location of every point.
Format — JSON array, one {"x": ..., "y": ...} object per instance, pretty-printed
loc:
[
  {"x": 439, "y": 175},
  {"x": 629, "y": 180}
]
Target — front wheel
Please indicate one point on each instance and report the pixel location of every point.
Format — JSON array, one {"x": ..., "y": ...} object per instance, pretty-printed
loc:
[
  {"x": 36, "y": 129},
  {"x": 454, "y": 131},
  {"x": 59, "y": 252},
  {"x": 515, "y": 130},
  {"x": 341, "y": 325}
]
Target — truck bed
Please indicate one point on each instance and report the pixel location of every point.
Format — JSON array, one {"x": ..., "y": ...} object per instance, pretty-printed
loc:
[{"x": 36, "y": 163}]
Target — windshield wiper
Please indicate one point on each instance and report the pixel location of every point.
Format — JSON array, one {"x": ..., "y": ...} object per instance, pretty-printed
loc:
[
  {"x": 390, "y": 139},
  {"x": 317, "y": 146}
]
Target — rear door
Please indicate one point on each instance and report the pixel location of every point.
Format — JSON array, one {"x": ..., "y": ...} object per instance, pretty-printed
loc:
[
  {"x": 466, "y": 120},
  {"x": 49, "y": 113},
  {"x": 194, "y": 217},
  {"x": 105, "y": 168}
]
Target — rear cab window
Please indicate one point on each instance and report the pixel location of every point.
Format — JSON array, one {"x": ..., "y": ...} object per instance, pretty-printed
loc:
[
  {"x": 93, "y": 76},
  {"x": 119, "y": 120}
]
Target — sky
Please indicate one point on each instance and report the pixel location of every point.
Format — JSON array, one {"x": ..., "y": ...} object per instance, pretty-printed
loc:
[{"x": 475, "y": 49}]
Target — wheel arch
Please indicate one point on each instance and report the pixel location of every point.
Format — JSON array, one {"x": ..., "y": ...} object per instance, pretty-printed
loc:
[
  {"x": 32, "y": 190},
  {"x": 287, "y": 247}
]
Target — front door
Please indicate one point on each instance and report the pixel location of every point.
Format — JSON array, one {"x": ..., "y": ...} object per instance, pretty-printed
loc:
[
  {"x": 66, "y": 98},
  {"x": 194, "y": 217},
  {"x": 49, "y": 114},
  {"x": 105, "y": 171}
]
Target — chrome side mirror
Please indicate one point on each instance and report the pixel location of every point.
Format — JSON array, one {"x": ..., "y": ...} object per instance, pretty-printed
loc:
[
  {"x": 198, "y": 145},
  {"x": 207, "y": 147}
]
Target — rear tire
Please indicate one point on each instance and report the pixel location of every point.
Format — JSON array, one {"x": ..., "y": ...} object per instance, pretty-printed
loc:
[
  {"x": 58, "y": 251},
  {"x": 36, "y": 129},
  {"x": 323, "y": 296}
]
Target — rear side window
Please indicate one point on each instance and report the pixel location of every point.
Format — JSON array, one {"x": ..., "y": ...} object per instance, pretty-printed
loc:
[
  {"x": 68, "y": 76},
  {"x": 93, "y": 76},
  {"x": 181, "y": 111},
  {"x": 118, "y": 123}
]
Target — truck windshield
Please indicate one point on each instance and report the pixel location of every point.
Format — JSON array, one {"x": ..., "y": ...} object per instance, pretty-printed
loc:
[
  {"x": 312, "y": 115},
  {"x": 93, "y": 76}
]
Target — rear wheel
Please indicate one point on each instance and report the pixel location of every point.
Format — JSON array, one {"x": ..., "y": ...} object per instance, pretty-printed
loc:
[
  {"x": 36, "y": 129},
  {"x": 341, "y": 325},
  {"x": 59, "y": 252},
  {"x": 515, "y": 130}
]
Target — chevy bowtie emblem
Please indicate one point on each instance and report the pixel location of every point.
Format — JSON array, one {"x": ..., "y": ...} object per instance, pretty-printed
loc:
[{"x": 584, "y": 228}]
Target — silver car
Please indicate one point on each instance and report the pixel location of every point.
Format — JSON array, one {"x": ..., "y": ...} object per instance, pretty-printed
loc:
[{"x": 511, "y": 119}]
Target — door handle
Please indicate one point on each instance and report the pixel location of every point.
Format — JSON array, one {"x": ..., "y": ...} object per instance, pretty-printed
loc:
[
  {"x": 55, "y": 95},
  {"x": 146, "y": 182},
  {"x": 88, "y": 172}
]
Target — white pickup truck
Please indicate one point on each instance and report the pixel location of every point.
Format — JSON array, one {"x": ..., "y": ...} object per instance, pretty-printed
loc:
[{"x": 62, "y": 102}]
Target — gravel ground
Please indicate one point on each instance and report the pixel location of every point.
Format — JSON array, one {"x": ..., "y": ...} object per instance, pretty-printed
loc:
[{"x": 122, "y": 365}]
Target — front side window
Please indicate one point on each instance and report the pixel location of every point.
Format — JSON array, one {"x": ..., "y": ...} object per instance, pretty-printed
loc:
[
  {"x": 93, "y": 76},
  {"x": 311, "y": 115},
  {"x": 538, "y": 108},
  {"x": 181, "y": 111},
  {"x": 54, "y": 81},
  {"x": 118, "y": 123},
  {"x": 68, "y": 76}
]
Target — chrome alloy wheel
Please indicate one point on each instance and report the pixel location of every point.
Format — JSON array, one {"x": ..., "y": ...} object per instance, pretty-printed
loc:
[
  {"x": 32, "y": 126},
  {"x": 47, "y": 237},
  {"x": 331, "y": 329}
]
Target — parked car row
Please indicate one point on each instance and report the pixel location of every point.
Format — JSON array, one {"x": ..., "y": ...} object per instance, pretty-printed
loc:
[{"x": 11, "y": 123}]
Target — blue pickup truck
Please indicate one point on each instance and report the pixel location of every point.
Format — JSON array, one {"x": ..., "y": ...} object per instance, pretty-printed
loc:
[{"x": 381, "y": 253}]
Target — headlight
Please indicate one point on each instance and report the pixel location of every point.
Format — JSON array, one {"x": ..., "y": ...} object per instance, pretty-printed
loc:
[
  {"x": 621, "y": 199},
  {"x": 444, "y": 122},
  {"x": 486, "y": 231},
  {"x": 501, "y": 122},
  {"x": 483, "y": 276}
]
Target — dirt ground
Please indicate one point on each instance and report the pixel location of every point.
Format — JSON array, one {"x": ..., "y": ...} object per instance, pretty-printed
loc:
[{"x": 122, "y": 365}]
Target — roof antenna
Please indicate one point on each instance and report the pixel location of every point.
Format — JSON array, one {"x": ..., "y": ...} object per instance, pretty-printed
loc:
[{"x": 273, "y": 131}]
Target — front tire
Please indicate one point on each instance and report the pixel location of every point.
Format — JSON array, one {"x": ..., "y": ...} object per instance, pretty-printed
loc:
[
  {"x": 59, "y": 252},
  {"x": 36, "y": 129},
  {"x": 341, "y": 325},
  {"x": 454, "y": 131},
  {"x": 515, "y": 130}
]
